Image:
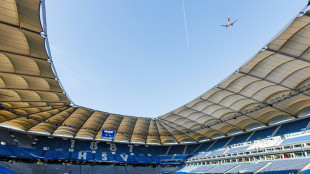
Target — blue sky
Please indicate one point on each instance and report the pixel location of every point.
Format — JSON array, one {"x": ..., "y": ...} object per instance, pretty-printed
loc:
[{"x": 131, "y": 57}]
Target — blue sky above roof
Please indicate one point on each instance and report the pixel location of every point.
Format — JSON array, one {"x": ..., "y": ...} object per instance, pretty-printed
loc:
[{"x": 131, "y": 57}]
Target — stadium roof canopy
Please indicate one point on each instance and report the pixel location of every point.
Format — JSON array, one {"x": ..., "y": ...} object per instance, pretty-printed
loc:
[{"x": 271, "y": 87}]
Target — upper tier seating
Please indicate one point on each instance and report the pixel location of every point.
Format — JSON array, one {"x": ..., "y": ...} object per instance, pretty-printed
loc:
[
  {"x": 191, "y": 148},
  {"x": 295, "y": 126},
  {"x": 219, "y": 143},
  {"x": 204, "y": 146},
  {"x": 237, "y": 149},
  {"x": 239, "y": 139},
  {"x": 176, "y": 150},
  {"x": 275, "y": 141},
  {"x": 298, "y": 139},
  {"x": 6, "y": 137},
  {"x": 201, "y": 155},
  {"x": 217, "y": 152},
  {"x": 23, "y": 139},
  {"x": 263, "y": 133}
]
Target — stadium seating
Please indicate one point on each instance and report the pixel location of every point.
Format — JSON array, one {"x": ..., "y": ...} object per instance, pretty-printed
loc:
[
  {"x": 23, "y": 139},
  {"x": 285, "y": 166},
  {"x": 219, "y": 143},
  {"x": 4, "y": 151},
  {"x": 6, "y": 171},
  {"x": 298, "y": 139},
  {"x": 82, "y": 156},
  {"x": 30, "y": 168},
  {"x": 217, "y": 152},
  {"x": 237, "y": 149},
  {"x": 143, "y": 159},
  {"x": 56, "y": 154},
  {"x": 290, "y": 127},
  {"x": 247, "y": 168},
  {"x": 202, "y": 169},
  {"x": 269, "y": 142},
  {"x": 176, "y": 150},
  {"x": 239, "y": 138},
  {"x": 191, "y": 148},
  {"x": 180, "y": 157},
  {"x": 6, "y": 137},
  {"x": 201, "y": 155},
  {"x": 204, "y": 146},
  {"x": 19, "y": 152},
  {"x": 55, "y": 148},
  {"x": 263, "y": 133},
  {"x": 221, "y": 168},
  {"x": 186, "y": 169}
]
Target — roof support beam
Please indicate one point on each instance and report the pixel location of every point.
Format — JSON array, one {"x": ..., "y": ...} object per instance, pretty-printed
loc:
[
  {"x": 28, "y": 75},
  {"x": 234, "y": 111},
  {"x": 34, "y": 57},
  {"x": 264, "y": 79},
  {"x": 215, "y": 117},
  {"x": 30, "y": 116},
  {"x": 275, "y": 84},
  {"x": 165, "y": 129},
  {"x": 132, "y": 132},
  {"x": 256, "y": 101},
  {"x": 42, "y": 101},
  {"x": 83, "y": 125},
  {"x": 287, "y": 54},
  {"x": 198, "y": 123},
  {"x": 12, "y": 25},
  {"x": 60, "y": 124},
  {"x": 36, "y": 90},
  {"x": 176, "y": 125},
  {"x": 180, "y": 132}
]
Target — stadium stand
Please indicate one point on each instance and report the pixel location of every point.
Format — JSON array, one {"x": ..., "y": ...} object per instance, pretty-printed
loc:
[
  {"x": 23, "y": 139},
  {"x": 263, "y": 133},
  {"x": 52, "y": 130},
  {"x": 202, "y": 169},
  {"x": 285, "y": 166},
  {"x": 6, "y": 171},
  {"x": 239, "y": 139},
  {"x": 56, "y": 154},
  {"x": 297, "y": 139},
  {"x": 186, "y": 169},
  {"x": 247, "y": 168},
  {"x": 205, "y": 146},
  {"x": 176, "y": 150},
  {"x": 219, "y": 143},
  {"x": 295, "y": 126},
  {"x": 31, "y": 168},
  {"x": 237, "y": 149},
  {"x": 6, "y": 137},
  {"x": 217, "y": 152},
  {"x": 221, "y": 169},
  {"x": 190, "y": 149}
]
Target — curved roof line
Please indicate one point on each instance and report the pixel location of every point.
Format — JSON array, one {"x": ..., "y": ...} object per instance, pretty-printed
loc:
[{"x": 33, "y": 100}]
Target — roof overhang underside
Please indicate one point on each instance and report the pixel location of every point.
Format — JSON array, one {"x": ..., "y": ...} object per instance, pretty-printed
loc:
[{"x": 271, "y": 86}]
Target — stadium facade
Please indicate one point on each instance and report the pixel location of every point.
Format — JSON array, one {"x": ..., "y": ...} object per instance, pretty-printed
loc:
[{"x": 255, "y": 121}]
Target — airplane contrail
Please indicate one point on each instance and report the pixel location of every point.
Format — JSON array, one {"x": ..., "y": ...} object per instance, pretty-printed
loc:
[{"x": 185, "y": 23}]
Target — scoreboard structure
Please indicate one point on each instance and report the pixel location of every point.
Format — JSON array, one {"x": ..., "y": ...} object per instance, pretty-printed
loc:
[{"x": 108, "y": 134}]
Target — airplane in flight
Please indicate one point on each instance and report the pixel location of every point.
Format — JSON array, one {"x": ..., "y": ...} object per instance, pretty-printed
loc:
[{"x": 229, "y": 25}]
